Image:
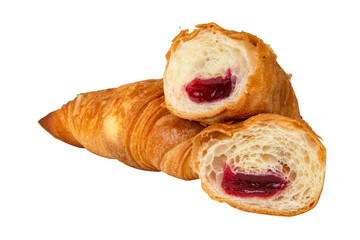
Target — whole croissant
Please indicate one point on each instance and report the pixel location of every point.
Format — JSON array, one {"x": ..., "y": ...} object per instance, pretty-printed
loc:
[{"x": 129, "y": 124}]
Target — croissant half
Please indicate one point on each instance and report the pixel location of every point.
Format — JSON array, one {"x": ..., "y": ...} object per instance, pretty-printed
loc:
[
  {"x": 267, "y": 164},
  {"x": 214, "y": 75},
  {"x": 128, "y": 124}
]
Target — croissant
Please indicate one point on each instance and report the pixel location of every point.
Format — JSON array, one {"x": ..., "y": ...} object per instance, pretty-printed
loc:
[
  {"x": 215, "y": 75},
  {"x": 267, "y": 164},
  {"x": 129, "y": 124}
]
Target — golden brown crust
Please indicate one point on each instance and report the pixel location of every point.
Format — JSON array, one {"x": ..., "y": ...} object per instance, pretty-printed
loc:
[
  {"x": 86, "y": 117},
  {"x": 268, "y": 89},
  {"x": 216, "y": 130},
  {"x": 54, "y": 123},
  {"x": 129, "y": 124},
  {"x": 168, "y": 131}
]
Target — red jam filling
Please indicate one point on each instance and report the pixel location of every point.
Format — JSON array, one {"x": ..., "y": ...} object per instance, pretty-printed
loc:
[
  {"x": 211, "y": 89},
  {"x": 252, "y": 185}
]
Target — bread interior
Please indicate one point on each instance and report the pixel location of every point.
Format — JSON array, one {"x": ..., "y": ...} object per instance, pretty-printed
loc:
[
  {"x": 209, "y": 55},
  {"x": 263, "y": 147}
]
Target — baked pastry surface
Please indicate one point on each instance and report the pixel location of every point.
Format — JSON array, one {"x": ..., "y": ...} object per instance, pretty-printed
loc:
[{"x": 129, "y": 124}]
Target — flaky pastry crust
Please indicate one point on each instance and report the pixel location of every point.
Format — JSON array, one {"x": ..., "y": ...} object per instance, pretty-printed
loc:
[{"x": 129, "y": 124}]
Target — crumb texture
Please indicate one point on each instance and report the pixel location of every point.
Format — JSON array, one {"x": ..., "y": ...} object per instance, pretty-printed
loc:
[
  {"x": 211, "y": 52},
  {"x": 278, "y": 146}
]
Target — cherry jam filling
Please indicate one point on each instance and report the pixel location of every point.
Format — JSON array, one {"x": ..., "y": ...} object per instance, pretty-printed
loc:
[
  {"x": 252, "y": 185},
  {"x": 211, "y": 89}
]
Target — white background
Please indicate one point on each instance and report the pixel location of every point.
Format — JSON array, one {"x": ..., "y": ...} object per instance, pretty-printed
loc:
[{"x": 52, "y": 50}]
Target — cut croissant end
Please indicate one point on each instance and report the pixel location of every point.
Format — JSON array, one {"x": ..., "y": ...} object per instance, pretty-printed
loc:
[
  {"x": 268, "y": 164},
  {"x": 214, "y": 75}
]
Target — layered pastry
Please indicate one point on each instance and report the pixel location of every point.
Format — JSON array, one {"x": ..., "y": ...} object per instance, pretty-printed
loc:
[
  {"x": 129, "y": 124},
  {"x": 214, "y": 75},
  {"x": 267, "y": 164}
]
